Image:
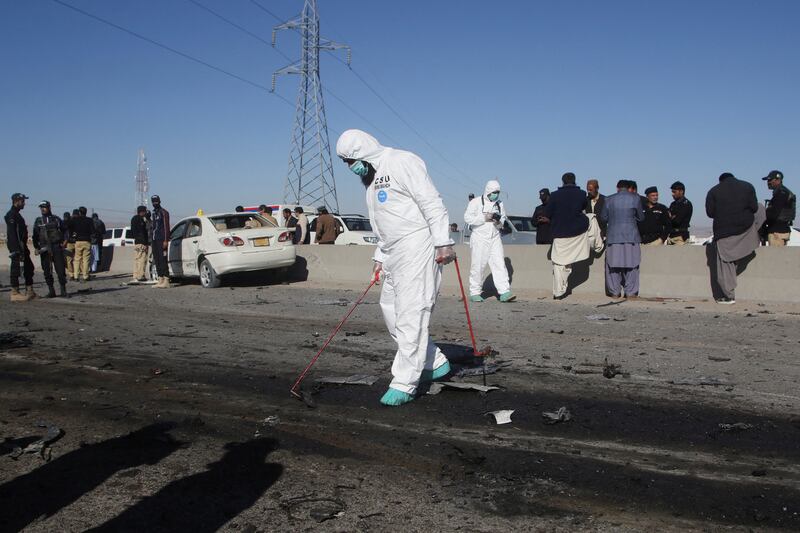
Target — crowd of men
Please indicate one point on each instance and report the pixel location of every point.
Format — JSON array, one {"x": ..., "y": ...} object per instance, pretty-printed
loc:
[
  {"x": 625, "y": 221},
  {"x": 68, "y": 247}
]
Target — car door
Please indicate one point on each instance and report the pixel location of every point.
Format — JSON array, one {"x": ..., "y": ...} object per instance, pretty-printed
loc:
[
  {"x": 175, "y": 251},
  {"x": 191, "y": 247}
]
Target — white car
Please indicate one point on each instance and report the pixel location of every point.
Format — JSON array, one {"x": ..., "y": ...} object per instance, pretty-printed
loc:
[
  {"x": 355, "y": 229},
  {"x": 212, "y": 246}
]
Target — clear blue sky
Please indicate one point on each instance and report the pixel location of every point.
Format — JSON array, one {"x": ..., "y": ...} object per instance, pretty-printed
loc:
[{"x": 522, "y": 90}]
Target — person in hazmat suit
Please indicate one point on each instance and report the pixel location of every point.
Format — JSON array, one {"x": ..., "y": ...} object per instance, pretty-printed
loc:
[
  {"x": 486, "y": 217},
  {"x": 411, "y": 223}
]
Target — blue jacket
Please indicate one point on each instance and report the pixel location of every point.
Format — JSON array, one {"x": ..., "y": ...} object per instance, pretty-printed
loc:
[
  {"x": 565, "y": 211},
  {"x": 622, "y": 212}
]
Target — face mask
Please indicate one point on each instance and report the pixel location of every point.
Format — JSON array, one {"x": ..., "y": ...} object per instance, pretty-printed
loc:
[
  {"x": 359, "y": 168},
  {"x": 493, "y": 196}
]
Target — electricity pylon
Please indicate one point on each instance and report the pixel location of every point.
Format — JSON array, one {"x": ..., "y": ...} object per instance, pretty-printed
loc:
[
  {"x": 310, "y": 178},
  {"x": 142, "y": 179}
]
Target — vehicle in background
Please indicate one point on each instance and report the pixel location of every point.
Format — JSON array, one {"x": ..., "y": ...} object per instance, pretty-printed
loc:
[
  {"x": 522, "y": 231},
  {"x": 210, "y": 247},
  {"x": 118, "y": 237},
  {"x": 354, "y": 230},
  {"x": 794, "y": 237}
]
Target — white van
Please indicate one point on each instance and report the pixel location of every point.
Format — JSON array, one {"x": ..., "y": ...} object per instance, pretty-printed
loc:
[{"x": 118, "y": 237}]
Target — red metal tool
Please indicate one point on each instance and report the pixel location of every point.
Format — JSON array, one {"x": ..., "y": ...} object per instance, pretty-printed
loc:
[
  {"x": 302, "y": 376},
  {"x": 487, "y": 350}
]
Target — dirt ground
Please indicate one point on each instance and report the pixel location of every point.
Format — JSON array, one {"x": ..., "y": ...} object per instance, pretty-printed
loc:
[{"x": 176, "y": 415}]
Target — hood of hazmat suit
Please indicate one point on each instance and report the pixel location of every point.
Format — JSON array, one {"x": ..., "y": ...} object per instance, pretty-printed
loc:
[
  {"x": 410, "y": 221},
  {"x": 402, "y": 200}
]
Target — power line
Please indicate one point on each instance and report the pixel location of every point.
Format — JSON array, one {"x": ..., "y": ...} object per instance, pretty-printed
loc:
[{"x": 172, "y": 50}]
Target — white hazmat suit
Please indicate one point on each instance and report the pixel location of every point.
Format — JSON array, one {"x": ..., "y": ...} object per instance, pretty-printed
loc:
[
  {"x": 485, "y": 243},
  {"x": 410, "y": 221}
]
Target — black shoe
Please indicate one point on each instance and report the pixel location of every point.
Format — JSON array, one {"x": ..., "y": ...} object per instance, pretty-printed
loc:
[
  {"x": 63, "y": 293},
  {"x": 51, "y": 292},
  {"x": 725, "y": 301}
]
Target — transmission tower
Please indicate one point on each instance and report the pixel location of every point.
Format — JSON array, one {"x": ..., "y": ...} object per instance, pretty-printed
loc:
[
  {"x": 310, "y": 177},
  {"x": 142, "y": 179}
]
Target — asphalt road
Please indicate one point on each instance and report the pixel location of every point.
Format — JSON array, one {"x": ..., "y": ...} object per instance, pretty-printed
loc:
[{"x": 176, "y": 415}]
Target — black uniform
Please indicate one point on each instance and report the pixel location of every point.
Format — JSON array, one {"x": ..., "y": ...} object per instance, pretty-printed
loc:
[
  {"x": 656, "y": 224},
  {"x": 781, "y": 211},
  {"x": 139, "y": 230},
  {"x": 48, "y": 238},
  {"x": 18, "y": 248},
  {"x": 544, "y": 234},
  {"x": 681, "y": 211}
]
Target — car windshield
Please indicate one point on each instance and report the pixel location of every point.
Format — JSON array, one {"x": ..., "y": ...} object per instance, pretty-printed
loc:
[
  {"x": 240, "y": 221},
  {"x": 522, "y": 223},
  {"x": 357, "y": 224}
]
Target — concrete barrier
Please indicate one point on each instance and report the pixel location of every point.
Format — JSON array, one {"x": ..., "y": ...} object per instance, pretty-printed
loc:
[{"x": 667, "y": 271}]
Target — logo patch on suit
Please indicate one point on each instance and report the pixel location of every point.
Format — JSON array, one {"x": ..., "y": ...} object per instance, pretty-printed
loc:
[{"x": 382, "y": 196}]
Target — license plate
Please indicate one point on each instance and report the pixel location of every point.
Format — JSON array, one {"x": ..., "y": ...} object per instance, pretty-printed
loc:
[{"x": 263, "y": 241}]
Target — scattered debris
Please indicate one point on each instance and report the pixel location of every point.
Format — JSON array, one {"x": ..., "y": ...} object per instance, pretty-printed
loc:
[
  {"x": 718, "y": 359},
  {"x": 315, "y": 334},
  {"x": 157, "y": 371},
  {"x": 735, "y": 427},
  {"x": 100, "y": 340},
  {"x": 758, "y": 472},
  {"x": 355, "y": 379},
  {"x": 562, "y": 415},
  {"x": 503, "y": 416},
  {"x": 598, "y": 317},
  {"x": 611, "y": 370},
  {"x": 41, "y": 445},
  {"x": 490, "y": 368},
  {"x": 272, "y": 420},
  {"x": 14, "y": 340},
  {"x": 340, "y": 302},
  {"x": 702, "y": 380},
  {"x": 437, "y": 387},
  {"x": 557, "y": 331},
  {"x": 355, "y": 333}
]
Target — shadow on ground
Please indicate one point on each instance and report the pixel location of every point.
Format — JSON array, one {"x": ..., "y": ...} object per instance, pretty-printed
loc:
[
  {"x": 55, "y": 485},
  {"x": 205, "y": 501}
]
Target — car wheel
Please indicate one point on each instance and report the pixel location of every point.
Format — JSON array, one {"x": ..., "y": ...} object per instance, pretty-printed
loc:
[{"x": 208, "y": 278}]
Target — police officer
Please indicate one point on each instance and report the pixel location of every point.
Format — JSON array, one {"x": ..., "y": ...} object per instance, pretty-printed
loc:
[
  {"x": 780, "y": 211},
  {"x": 680, "y": 215},
  {"x": 18, "y": 249},
  {"x": 159, "y": 240},
  {"x": 655, "y": 227},
  {"x": 48, "y": 237}
]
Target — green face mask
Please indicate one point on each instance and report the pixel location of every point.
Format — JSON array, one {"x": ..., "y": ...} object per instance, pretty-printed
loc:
[
  {"x": 359, "y": 168},
  {"x": 493, "y": 196}
]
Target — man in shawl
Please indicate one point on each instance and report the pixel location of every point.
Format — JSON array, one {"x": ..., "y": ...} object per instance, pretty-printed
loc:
[
  {"x": 622, "y": 212},
  {"x": 574, "y": 232},
  {"x": 737, "y": 216}
]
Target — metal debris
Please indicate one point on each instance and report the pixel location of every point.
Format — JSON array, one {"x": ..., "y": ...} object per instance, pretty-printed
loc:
[
  {"x": 503, "y": 416},
  {"x": 355, "y": 379},
  {"x": 598, "y": 317},
  {"x": 437, "y": 387},
  {"x": 355, "y": 333},
  {"x": 736, "y": 426},
  {"x": 40, "y": 446},
  {"x": 562, "y": 415},
  {"x": 718, "y": 359},
  {"x": 490, "y": 368},
  {"x": 272, "y": 420}
]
